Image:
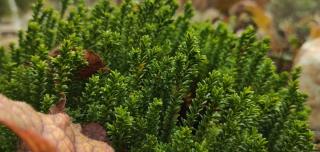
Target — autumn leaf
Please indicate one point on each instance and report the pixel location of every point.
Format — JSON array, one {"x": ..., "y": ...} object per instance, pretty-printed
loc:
[
  {"x": 314, "y": 30},
  {"x": 95, "y": 131},
  {"x": 95, "y": 63},
  {"x": 46, "y": 132}
]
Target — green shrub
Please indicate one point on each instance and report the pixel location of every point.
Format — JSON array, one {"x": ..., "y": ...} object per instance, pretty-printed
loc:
[{"x": 159, "y": 61}]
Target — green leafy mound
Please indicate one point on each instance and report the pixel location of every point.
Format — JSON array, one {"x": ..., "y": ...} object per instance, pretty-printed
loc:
[{"x": 174, "y": 85}]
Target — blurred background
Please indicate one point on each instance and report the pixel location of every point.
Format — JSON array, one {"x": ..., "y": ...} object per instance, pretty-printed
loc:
[
  {"x": 14, "y": 16},
  {"x": 292, "y": 26}
]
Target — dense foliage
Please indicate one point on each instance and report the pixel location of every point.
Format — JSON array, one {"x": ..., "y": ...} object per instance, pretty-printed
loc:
[{"x": 174, "y": 85}]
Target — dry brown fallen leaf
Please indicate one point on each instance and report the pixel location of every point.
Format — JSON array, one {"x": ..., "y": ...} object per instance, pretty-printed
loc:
[
  {"x": 46, "y": 132},
  {"x": 94, "y": 131},
  {"x": 95, "y": 63}
]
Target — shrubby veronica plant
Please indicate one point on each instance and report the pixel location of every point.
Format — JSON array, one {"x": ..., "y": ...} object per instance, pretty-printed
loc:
[{"x": 174, "y": 85}]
